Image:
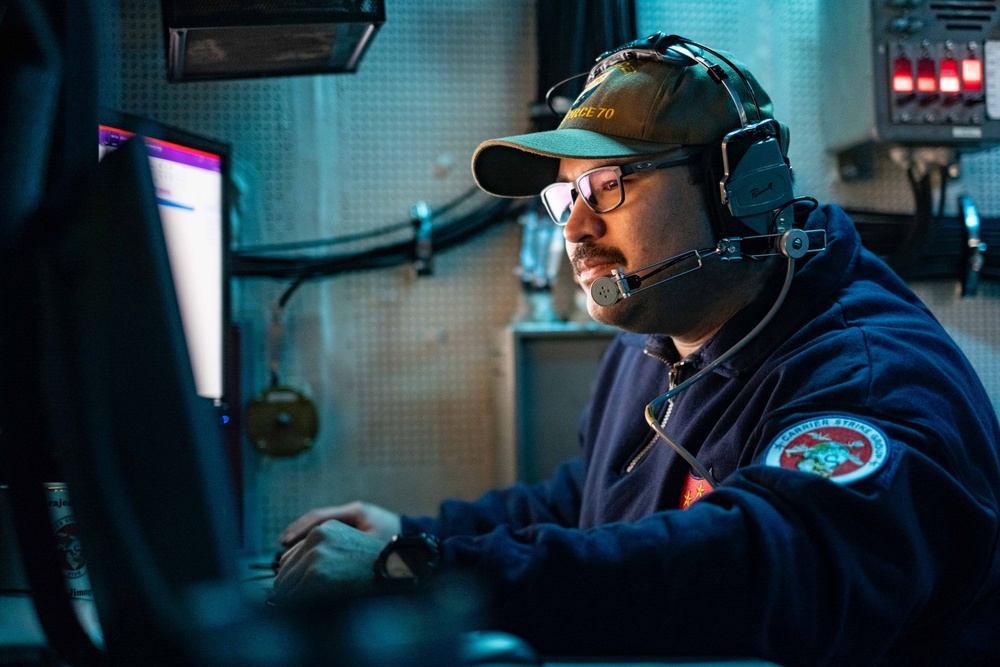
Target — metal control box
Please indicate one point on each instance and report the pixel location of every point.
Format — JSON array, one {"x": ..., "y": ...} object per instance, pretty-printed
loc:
[
  {"x": 547, "y": 374},
  {"x": 911, "y": 72}
]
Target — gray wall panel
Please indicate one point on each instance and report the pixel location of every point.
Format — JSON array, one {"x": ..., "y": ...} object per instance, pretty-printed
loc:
[{"x": 404, "y": 369}]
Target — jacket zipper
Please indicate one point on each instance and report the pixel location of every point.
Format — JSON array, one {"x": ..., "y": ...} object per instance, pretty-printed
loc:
[{"x": 672, "y": 381}]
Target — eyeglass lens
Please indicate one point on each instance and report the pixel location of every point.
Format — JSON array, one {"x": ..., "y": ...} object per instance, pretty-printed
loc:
[{"x": 600, "y": 188}]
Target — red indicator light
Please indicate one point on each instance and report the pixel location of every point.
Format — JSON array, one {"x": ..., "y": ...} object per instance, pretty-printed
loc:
[
  {"x": 926, "y": 76},
  {"x": 902, "y": 76},
  {"x": 972, "y": 74},
  {"x": 949, "y": 76}
]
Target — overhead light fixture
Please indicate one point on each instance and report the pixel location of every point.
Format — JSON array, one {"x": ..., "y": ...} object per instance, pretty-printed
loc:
[{"x": 234, "y": 39}]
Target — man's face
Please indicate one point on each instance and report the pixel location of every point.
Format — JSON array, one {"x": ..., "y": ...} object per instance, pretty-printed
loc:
[{"x": 663, "y": 215}]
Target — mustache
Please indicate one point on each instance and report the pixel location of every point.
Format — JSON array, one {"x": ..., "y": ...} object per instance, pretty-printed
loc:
[{"x": 590, "y": 251}]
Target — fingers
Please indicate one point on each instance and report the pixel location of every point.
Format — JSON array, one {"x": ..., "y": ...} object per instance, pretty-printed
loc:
[
  {"x": 290, "y": 572},
  {"x": 333, "y": 558},
  {"x": 295, "y": 567},
  {"x": 299, "y": 528},
  {"x": 291, "y": 555},
  {"x": 294, "y": 533},
  {"x": 354, "y": 514}
]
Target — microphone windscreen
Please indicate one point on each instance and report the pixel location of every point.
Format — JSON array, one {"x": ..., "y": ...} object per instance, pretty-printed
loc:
[{"x": 605, "y": 292}]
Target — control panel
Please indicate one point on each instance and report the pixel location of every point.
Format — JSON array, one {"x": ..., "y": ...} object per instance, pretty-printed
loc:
[
  {"x": 934, "y": 83},
  {"x": 917, "y": 72}
]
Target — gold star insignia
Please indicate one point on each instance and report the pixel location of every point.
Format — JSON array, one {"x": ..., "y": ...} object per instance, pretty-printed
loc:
[{"x": 687, "y": 499}]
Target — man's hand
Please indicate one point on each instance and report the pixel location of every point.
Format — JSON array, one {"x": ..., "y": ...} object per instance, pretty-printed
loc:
[
  {"x": 368, "y": 518},
  {"x": 333, "y": 559}
]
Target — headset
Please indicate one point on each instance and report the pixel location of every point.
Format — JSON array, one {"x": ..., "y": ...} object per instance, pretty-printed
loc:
[{"x": 749, "y": 180}]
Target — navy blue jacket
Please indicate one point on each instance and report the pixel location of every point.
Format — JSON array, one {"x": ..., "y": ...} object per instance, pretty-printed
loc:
[{"x": 856, "y": 518}]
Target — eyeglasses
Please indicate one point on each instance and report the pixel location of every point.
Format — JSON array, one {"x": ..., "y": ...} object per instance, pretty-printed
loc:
[{"x": 602, "y": 187}]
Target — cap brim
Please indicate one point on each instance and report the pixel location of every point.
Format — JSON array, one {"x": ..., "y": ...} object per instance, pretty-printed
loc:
[{"x": 522, "y": 166}]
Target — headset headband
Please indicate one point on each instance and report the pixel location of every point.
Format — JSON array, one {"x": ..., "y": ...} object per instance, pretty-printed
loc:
[{"x": 675, "y": 49}]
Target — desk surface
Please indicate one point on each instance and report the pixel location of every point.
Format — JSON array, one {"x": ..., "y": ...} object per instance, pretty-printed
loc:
[
  {"x": 22, "y": 641},
  {"x": 690, "y": 662},
  {"x": 20, "y": 626}
]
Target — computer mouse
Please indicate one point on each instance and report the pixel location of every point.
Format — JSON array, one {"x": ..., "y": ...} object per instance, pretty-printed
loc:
[{"x": 490, "y": 647}]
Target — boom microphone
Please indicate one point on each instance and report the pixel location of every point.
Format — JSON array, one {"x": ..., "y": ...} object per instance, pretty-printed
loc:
[
  {"x": 609, "y": 290},
  {"x": 794, "y": 243}
]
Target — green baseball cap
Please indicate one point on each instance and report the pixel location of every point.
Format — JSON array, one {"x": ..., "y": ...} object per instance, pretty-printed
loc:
[{"x": 633, "y": 108}]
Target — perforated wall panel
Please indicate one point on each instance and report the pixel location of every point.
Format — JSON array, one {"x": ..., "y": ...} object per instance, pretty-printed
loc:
[
  {"x": 973, "y": 322},
  {"x": 780, "y": 40},
  {"x": 403, "y": 368}
]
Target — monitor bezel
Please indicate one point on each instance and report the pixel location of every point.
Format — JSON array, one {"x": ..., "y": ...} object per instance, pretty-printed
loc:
[{"x": 154, "y": 129}]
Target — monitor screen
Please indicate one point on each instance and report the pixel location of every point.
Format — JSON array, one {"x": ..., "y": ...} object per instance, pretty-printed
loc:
[{"x": 189, "y": 174}]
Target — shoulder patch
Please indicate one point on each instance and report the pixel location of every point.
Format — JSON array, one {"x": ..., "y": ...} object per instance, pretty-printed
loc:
[{"x": 842, "y": 449}]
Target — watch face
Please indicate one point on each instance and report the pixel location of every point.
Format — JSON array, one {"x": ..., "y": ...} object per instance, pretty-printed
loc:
[
  {"x": 408, "y": 557},
  {"x": 396, "y": 567}
]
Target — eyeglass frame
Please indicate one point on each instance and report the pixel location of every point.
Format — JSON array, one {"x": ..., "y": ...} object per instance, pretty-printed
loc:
[{"x": 620, "y": 171}]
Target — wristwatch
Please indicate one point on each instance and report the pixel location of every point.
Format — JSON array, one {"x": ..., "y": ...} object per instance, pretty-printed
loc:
[{"x": 408, "y": 559}]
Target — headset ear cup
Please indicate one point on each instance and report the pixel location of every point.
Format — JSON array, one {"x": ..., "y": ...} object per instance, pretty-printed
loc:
[
  {"x": 723, "y": 222},
  {"x": 759, "y": 160}
]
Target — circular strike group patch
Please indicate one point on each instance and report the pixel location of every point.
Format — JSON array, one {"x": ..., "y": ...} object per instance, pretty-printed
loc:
[{"x": 842, "y": 449}]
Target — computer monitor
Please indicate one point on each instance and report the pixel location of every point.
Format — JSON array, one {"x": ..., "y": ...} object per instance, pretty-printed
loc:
[
  {"x": 97, "y": 372},
  {"x": 190, "y": 174},
  {"x": 106, "y": 377}
]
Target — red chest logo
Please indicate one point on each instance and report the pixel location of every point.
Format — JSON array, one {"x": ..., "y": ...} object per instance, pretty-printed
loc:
[{"x": 693, "y": 489}]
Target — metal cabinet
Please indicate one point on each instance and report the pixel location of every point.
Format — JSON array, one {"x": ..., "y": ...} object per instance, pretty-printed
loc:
[{"x": 546, "y": 380}]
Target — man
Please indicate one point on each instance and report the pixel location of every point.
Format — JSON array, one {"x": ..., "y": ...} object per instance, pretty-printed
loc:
[{"x": 827, "y": 490}]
